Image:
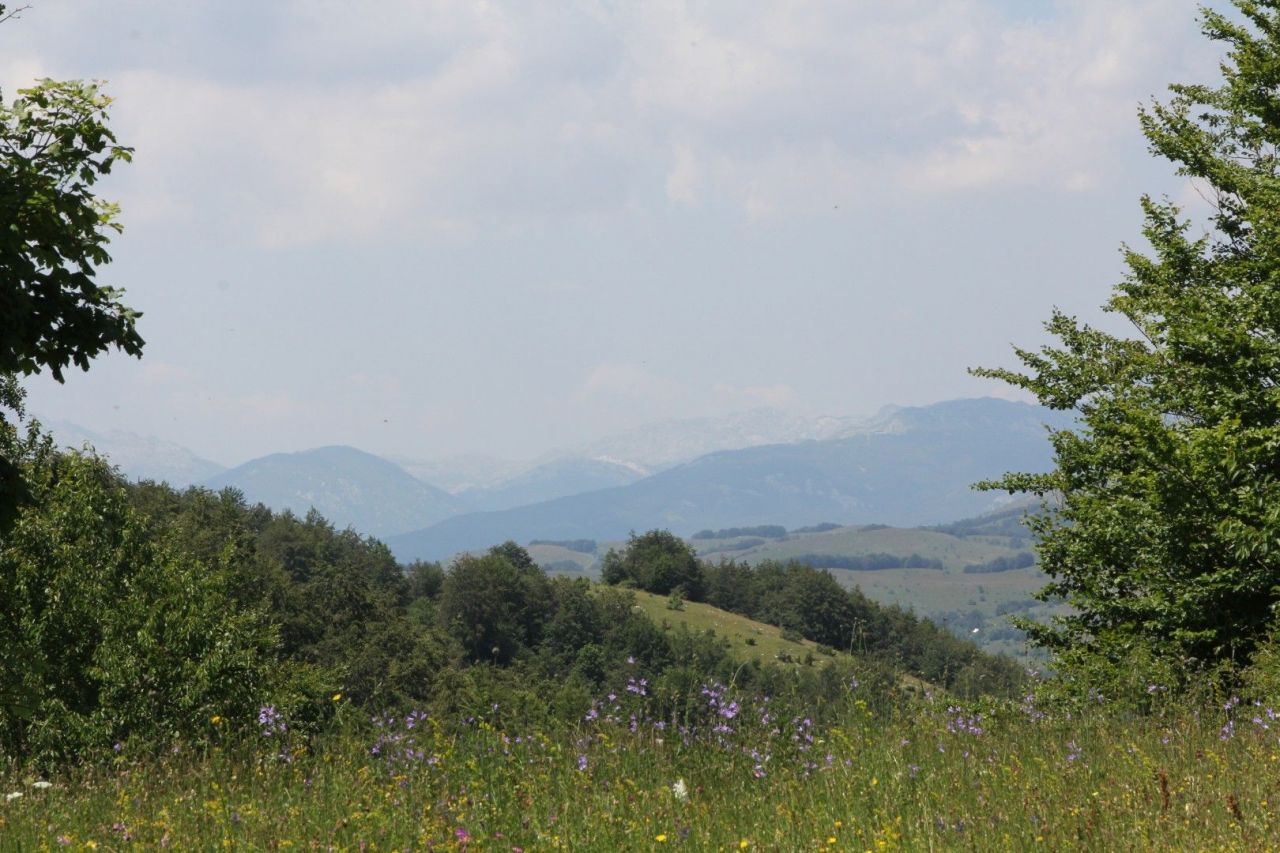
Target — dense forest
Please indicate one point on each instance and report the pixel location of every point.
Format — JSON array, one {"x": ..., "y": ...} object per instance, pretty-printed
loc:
[{"x": 219, "y": 608}]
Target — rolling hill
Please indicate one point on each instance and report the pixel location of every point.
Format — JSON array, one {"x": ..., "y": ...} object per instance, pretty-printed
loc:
[{"x": 975, "y": 605}]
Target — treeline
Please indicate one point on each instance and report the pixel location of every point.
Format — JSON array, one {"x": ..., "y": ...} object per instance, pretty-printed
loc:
[
  {"x": 798, "y": 597},
  {"x": 582, "y": 546},
  {"x": 763, "y": 531},
  {"x": 1020, "y": 560},
  {"x": 868, "y": 562},
  {"x": 817, "y": 528}
]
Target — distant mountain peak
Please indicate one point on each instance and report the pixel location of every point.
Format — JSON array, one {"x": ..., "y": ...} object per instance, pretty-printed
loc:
[
  {"x": 349, "y": 486},
  {"x": 139, "y": 457}
]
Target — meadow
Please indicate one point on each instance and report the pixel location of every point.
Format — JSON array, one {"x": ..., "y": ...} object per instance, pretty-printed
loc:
[{"x": 723, "y": 771}]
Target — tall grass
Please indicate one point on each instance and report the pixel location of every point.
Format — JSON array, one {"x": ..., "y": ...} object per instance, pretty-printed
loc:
[{"x": 726, "y": 772}]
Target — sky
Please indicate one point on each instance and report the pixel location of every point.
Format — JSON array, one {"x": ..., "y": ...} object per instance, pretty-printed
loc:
[{"x": 432, "y": 228}]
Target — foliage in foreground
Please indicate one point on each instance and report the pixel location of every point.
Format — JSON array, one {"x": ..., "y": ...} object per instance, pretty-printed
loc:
[{"x": 729, "y": 771}]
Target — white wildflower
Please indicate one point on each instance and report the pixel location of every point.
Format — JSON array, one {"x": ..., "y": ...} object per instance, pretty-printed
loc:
[
  {"x": 12, "y": 796},
  {"x": 41, "y": 785},
  {"x": 680, "y": 791}
]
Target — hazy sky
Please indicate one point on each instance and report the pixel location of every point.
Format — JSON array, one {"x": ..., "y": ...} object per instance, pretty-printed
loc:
[{"x": 437, "y": 227}]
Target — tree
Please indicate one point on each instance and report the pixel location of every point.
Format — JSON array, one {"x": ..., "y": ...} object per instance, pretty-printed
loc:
[
  {"x": 657, "y": 562},
  {"x": 495, "y": 605},
  {"x": 1162, "y": 528},
  {"x": 108, "y": 628},
  {"x": 54, "y": 146}
]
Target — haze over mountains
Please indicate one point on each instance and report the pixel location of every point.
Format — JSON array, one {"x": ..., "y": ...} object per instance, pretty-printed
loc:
[
  {"x": 348, "y": 486},
  {"x": 139, "y": 457},
  {"x": 489, "y": 483},
  {"x": 905, "y": 466}
]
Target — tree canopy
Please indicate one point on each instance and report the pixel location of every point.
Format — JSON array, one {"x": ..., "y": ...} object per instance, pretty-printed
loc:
[
  {"x": 54, "y": 146},
  {"x": 656, "y": 561},
  {"x": 1163, "y": 522}
]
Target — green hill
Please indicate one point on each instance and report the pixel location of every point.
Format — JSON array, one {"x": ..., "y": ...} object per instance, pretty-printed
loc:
[{"x": 748, "y": 640}]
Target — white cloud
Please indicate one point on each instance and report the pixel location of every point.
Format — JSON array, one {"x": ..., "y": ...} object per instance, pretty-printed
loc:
[
  {"x": 447, "y": 117},
  {"x": 682, "y": 179}
]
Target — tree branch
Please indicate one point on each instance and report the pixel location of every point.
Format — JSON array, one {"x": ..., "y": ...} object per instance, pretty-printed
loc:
[{"x": 11, "y": 15}]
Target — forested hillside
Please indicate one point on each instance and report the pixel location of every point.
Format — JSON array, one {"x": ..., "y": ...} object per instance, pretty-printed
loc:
[{"x": 221, "y": 607}]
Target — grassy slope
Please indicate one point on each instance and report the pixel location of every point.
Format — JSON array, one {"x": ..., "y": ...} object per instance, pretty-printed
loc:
[
  {"x": 852, "y": 541},
  {"x": 769, "y": 647},
  {"x": 545, "y": 555}
]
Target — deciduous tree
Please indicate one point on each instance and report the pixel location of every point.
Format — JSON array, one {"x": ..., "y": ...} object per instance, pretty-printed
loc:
[{"x": 54, "y": 147}]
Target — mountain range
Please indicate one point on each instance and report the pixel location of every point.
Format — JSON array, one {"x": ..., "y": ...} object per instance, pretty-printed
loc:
[{"x": 905, "y": 466}]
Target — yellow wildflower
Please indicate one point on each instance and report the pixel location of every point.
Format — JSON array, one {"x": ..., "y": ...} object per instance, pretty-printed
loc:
[
  {"x": 337, "y": 697},
  {"x": 660, "y": 837},
  {"x": 216, "y": 719}
]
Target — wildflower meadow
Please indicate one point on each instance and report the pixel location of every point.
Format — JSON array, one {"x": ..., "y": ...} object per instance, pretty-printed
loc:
[{"x": 728, "y": 771}]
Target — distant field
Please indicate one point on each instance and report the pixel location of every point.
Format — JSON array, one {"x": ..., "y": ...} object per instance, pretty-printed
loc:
[
  {"x": 956, "y": 553},
  {"x": 931, "y": 591},
  {"x": 960, "y": 601},
  {"x": 554, "y": 558}
]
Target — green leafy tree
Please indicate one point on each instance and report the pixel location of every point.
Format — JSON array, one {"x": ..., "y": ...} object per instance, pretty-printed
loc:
[
  {"x": 576, "y": 621},
  {"x": 1163, "y": 522},
  {"x": 54, "y": 146},
  {"x": 658, "y": 562},
  {"x": 495, "y": 605}
]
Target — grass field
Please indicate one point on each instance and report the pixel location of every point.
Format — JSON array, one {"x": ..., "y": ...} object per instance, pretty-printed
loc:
[
  {"x": 748, "y": 640},
  {"x": 953, "y": 551},
  {"x": 558, "y": 557},
  {"x": 736, "y": 777}
]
